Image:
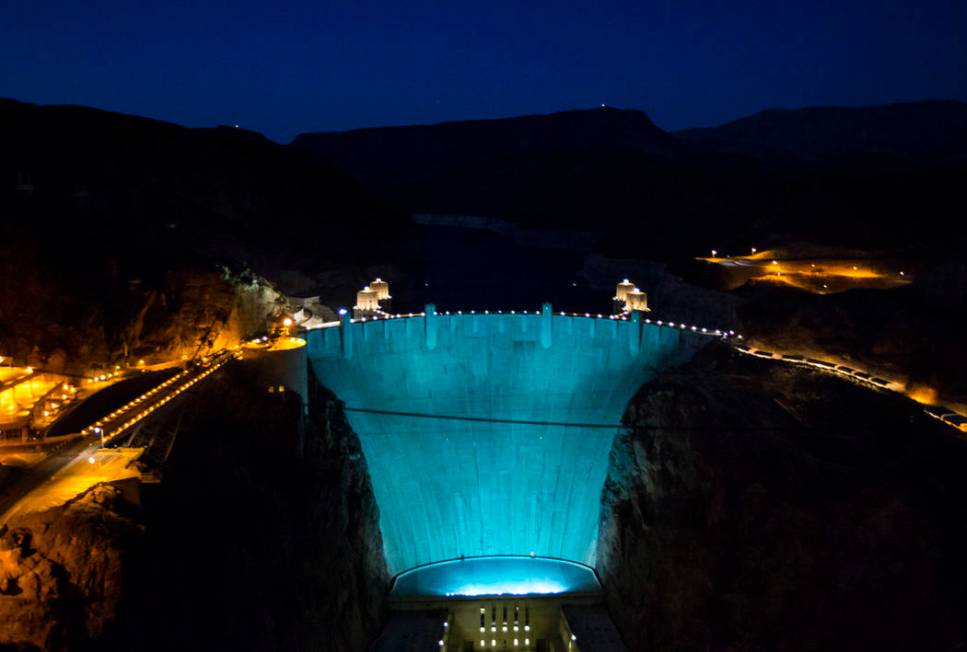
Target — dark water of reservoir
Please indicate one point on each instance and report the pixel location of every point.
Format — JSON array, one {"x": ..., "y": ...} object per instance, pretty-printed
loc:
[{"x": 474, "y": 269}]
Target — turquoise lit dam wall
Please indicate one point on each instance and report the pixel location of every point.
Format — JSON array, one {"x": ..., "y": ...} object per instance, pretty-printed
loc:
[{"x": 489, "y": 434}]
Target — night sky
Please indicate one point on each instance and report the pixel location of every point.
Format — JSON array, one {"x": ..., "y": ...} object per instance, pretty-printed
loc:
[{"x": 285, "y": 67}]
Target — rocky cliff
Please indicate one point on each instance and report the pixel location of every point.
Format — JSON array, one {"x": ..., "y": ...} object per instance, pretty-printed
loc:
[
  {"x": 69, "y": 320},
  {"x": 909, "y": 334},
  {"x": 263, "y": 535},
  {"x": 876, "y": 176},
  {"x": 114, "y": 230},
  {"x": 753, "y": 506},
  {"x": 61, "y": 571}
]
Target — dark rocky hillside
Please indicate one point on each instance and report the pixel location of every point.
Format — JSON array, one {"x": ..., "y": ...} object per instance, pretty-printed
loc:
[
  {"x": 84, "y": 316},
  {"x": 894, "y": 182},
  {"x": 933, "y": 132},
  {"x": 577, "y": 169},
  {"x": 432, "y": 150},
  {"x": 62, "y": 570},
  {"x": 755, "y": 506},
  {"x": 144, "y": 192},
  {"x": 263, "y": 536},
  {"x": 906, "y": 333},
  {"x": 265, "y": 533},
  {"x": 122, "y": 236}
]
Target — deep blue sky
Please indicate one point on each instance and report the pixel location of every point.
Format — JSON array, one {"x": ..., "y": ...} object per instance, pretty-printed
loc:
[{"x": 285, "y": 67}]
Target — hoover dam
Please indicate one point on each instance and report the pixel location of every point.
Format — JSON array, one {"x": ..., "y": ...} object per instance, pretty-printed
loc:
[{"x": 488, "y": 434}]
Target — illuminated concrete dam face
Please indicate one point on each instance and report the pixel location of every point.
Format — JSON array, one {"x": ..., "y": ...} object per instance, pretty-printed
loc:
[{"x": 489, "y": 434}]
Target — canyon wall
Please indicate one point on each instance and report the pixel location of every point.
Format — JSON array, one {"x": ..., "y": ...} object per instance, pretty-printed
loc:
[
  {"x": 57, "y": 316},
  {"x": 61, "y": 571},
  {"x": 263, "y": 535},
  {"x": 755, "y": 506}
]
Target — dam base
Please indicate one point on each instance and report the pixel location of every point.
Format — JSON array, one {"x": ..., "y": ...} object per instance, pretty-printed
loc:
[{"x": 505, "y": 603}]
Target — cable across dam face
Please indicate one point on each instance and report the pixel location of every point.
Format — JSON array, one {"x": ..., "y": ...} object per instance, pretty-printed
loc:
[{"x": 489, "y": 434}]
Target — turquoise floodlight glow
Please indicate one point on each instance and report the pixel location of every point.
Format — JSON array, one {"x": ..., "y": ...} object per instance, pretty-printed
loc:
[
  {"x": 484, "y": 576},
  {"x": 504, "y": 587}
]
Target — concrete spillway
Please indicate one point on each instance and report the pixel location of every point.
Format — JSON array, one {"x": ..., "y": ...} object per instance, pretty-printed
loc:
[{"x": 490, "y": 434}]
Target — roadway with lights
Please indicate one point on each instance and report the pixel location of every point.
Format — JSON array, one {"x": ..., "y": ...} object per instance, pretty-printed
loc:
[{"x": 74, "y": 463}]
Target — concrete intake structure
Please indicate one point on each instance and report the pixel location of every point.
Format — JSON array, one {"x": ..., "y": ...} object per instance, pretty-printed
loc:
[{"x": 489, "y": 434}]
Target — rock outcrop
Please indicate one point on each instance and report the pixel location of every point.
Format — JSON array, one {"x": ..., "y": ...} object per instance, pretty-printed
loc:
[
  {"x": 909, "y": 334},
  {"x": 263, "y": 535},
  {"x": 55, "y": 317},
  {"x": 754, "y": 506},
  {"x": 61, "y": 571},
  {"x": 117, "y": 247}
]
